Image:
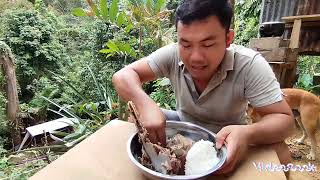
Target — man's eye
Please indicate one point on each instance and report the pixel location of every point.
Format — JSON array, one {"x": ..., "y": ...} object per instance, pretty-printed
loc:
[
  {"x": 185, "y": 45},
  {"x": 208, "y": 45}
]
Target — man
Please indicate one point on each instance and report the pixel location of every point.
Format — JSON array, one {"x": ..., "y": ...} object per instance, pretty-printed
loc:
[{"x": 213, "y": 81}]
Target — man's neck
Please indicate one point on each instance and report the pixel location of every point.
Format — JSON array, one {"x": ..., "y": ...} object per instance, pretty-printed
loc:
[{"x": 200, "y": 85}]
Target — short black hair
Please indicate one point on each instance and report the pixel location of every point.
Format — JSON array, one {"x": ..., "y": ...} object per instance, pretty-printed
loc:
[{"x": 193, "y": 10}]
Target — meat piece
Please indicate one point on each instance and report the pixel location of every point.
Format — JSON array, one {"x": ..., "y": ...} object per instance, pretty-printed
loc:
[
  {"x": 180, "y": 145},
  {"x": 159, "y": 158}
]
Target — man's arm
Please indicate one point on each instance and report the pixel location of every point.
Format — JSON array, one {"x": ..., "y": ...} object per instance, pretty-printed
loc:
[
  {"x": 276, "y": 124},
  {"x": 128, "y": 84}
]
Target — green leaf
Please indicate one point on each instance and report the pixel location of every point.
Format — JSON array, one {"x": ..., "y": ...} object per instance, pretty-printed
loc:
[
  {"x": 68, "y": 84},
  {"x": 109, "y": 56},
  {"x": 79, "y": 131},
  {"x": 62, "y": 108},
  {"x": 95, "y": 10},
  {"x": 112, "y": 45},
  {"x": 104, "y": 9},
  {"x": 126, "y": 47},
  {"x": 73, "y": 143},
  {"x": 113, "y": 10},
  {"x": 160, "y": 4},
  {"x": 128, "y": 28},
  {"x": 306, "y": 80},
  {"x": 121, "y": 19},
  {"x": 60, "y": 133},
  {"x": 97, "y": 84},
  {"x": 106, "y": 51},
  {"x": 79, "y": 12}
]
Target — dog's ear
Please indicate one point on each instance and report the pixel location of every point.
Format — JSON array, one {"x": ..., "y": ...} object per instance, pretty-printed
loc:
[{"x": 249, "y": 109}]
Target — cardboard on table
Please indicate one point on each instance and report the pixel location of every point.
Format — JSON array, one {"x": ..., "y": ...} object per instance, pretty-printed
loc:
[{"x": 103, "y": 156}]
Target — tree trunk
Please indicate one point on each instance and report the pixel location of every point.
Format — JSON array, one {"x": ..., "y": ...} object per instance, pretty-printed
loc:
[
  {"x": 232, "y": 2},
  {"x": 12, "y": 106}
]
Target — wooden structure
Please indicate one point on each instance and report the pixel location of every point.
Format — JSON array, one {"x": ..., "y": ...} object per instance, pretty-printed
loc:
[
  {"x": 282, "y": 54},
  {"x": 281, "y": 58}
]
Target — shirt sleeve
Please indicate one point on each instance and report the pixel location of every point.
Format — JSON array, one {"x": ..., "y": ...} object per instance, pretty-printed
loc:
[
  {"x": 261, "y": 85},
  {"x": 162, "y": 61}
]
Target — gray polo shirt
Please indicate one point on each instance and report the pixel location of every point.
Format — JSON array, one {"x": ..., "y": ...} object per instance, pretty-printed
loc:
[{"x": 243, "y": 76}]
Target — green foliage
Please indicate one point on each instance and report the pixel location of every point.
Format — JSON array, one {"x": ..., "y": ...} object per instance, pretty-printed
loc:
[
  {"x": 308, "y": 66},
  {"x": 119, "y": 47},
  {"x": 11, "y": 171},
  {"x": 30, "y": 37},
  {"x": 246, "y": 20},
  {"x": 163, "y": 94},
  {"x": 63, "y": 6}
]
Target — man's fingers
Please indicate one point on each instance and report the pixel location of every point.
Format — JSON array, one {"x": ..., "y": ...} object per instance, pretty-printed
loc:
[
  {"x": 161, "y": 136},
  {"x": 230, "y": 162},
  {"x": 226, "y": 169},
  {"x": 152, "y": 135},
  {"x": 221, "y": 136}
]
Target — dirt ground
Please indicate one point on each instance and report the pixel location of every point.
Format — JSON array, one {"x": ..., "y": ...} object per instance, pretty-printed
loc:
[{"x": 299, "y": 155}]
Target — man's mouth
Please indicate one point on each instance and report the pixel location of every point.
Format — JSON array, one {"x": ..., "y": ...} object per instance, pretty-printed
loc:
[{"x": 198, "y": 68}]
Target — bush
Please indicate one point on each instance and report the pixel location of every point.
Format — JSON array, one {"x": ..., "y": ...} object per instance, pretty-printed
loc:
[{"x": 31, "y": 38}]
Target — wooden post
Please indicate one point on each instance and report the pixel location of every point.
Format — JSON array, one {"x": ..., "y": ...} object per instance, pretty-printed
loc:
[
  {"x": 12, "y": 106},
  {"x": 295, "y": 35}
]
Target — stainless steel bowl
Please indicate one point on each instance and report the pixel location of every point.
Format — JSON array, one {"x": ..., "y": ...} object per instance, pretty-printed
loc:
[{"x": 186, "y": 129}]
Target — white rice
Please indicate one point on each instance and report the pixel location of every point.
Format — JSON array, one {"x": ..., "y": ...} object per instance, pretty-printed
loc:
[{"x": 201, "y": 157}]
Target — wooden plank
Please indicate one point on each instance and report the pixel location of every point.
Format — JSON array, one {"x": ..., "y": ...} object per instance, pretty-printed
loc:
[
  {"x": 304, "y": 24},
  {"x": 280, "y": 54},
  {"x": 312, "y": 17},
  {"x": 268, "y": 43},
  {"x": 275, "y": 55},
  {"x": 295, "y": 34}
]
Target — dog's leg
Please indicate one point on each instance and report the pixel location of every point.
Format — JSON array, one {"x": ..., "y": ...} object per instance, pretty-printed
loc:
[
  {"x": 309, "y": 120},
  {"x": 312, "y": 154},
  {"x": 304, "y": 133}
]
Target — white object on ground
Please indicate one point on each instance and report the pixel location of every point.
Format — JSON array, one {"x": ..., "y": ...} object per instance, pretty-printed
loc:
[
  {"x": 47, "y": 127},
  {"x": 200, "y": 158}
]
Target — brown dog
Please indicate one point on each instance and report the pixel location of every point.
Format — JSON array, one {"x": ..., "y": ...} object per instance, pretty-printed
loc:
[{"x": 308, "y": 105}]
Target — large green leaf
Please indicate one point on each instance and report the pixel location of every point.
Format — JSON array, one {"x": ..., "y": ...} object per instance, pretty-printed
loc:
[
  {"x": 79, "y": 12},
  {"x": 104, "y": 9},
  {"x": 113, "y": 12}
]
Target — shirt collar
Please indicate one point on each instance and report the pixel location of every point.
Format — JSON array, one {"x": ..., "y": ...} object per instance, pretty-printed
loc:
[{"x": 227, "y": 63}]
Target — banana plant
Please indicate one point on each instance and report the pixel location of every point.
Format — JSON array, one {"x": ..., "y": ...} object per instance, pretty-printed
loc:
[{"x": 109, "y": 13}]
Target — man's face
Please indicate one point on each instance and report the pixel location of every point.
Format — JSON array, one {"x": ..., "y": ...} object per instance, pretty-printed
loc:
[{"x": 202, "y": 45}]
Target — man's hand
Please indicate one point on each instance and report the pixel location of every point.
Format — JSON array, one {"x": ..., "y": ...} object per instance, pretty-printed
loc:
[
  {"x": 128, "y": 83},
  {"x": 154, "y": 121},
  {"x": 236, "y": 138}
]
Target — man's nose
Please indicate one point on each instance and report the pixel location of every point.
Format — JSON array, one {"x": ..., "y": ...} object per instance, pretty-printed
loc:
[{"x": 196, "y": 55}]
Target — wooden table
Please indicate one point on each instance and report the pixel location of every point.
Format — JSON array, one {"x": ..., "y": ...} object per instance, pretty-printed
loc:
[{"x": 103, "y": 156}]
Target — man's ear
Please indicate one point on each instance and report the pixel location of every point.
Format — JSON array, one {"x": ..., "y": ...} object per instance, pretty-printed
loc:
[{"x": 230, "y": 36}]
